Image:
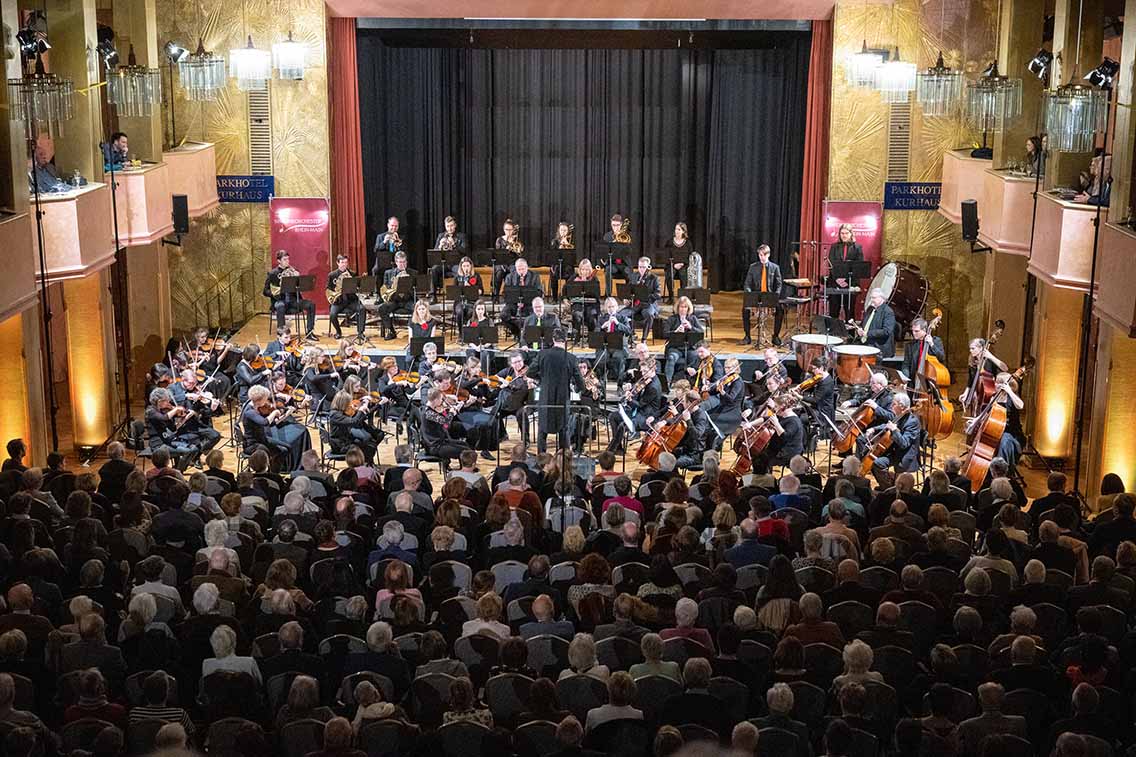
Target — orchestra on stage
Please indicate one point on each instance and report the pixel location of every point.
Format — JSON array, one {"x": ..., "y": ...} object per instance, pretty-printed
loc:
[{"x": 564, "y": 354}]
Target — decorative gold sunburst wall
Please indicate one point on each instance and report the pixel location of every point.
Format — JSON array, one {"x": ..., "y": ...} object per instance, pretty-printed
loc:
[
  {"x": 964, "y": 30},
  {"x": 230, "y": 246}
]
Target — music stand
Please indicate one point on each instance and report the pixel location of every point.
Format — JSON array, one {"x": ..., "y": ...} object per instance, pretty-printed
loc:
[
  {"x": 541, "y": 335},
  {"x": 384, "y": 260},
  {"x": 418, "y": 342},
  {"x": 614, "y": 250},
  {"x": 608, "y": 341},
  {"x": 296, "y": 285},
  {"x": 522, "y": 297},
  {"x": 463, "y": 294},
  {"x": 633, "y": 292},
  {"x": 565, "y": 260},
  {"x": 354, "y": 286},
  {"x": 763, "y": 301},
  {"x": 582, "y": 292},
  {"x": 483, "y": 257},
  {"x": 684, "y": 340},
  {"x": 485, "y": 333}
]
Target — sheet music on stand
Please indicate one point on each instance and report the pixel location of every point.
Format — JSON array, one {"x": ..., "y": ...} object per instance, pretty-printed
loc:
[
  {"x": 419, "y": 342},
  {"x": 538, "y": 336},
  {"x": 582, "y": 292},
  {"x": 358, "y": 285},
  {"x": 633, "y": 292}
]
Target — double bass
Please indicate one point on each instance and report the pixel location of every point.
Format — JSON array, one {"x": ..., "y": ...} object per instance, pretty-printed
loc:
[
  {"x": 933, "y": 407},
  {"x": 982, "y": 386},
  {"x": 984, "y": 433}
]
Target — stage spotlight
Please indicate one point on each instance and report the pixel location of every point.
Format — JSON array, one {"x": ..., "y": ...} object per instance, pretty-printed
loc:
[
  {"x": 175, "y": 53},
  {"x": 108, "y": 53},
  {"x": 1102, "y": 75},
  {"x": 1040, "y": 64}
]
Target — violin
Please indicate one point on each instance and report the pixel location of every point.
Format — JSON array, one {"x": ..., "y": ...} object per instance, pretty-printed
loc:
[
  {"x": 406, "y": 377},
  {"x": 294, "y": 349},
  {"x": 262, "y": 363},
  {"x": 719, "y": 385}
]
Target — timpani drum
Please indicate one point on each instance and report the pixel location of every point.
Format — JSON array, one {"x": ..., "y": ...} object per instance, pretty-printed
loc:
[
  {"x": 854, "y": 363},
  {"x": 904, "y": 288},
  {"x": 808, "y": 346}
]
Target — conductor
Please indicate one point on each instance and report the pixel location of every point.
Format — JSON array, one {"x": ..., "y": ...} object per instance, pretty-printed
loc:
[{"x": 556, "y": 371}]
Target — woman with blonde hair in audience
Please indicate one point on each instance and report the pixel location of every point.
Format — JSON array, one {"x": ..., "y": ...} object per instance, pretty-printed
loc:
[
  {"x": 582, "y": 659},
  {"x": 572, "y": 547},
  {"x": 371, "y": 707},
  {"x": 858, "y": 659},
  {"x": 488, "y": 619},
  {"x": 651, "y": 645}
]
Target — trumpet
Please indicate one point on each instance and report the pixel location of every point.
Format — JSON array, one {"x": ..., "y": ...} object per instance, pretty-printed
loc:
[
  {"x": 448, "y": 242},
  {"x": 623, "y": 236}
]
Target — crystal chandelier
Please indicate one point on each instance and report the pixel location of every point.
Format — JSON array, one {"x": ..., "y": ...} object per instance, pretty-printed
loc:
[
  {"x": 202, "y": 74},
  {"x": 992, "y": 101},
  {"x": 134, "y": 89},
  {"x": 860, "y": 68},
  {"x": 288, "y": 58},
  {"x": 894, "y": 79},
  {"x": 939, "y": 89},
  {"x": 1074, "y": 114},
  {"x": 251, "y": 67},
  {"x": 41, "y": 101}
]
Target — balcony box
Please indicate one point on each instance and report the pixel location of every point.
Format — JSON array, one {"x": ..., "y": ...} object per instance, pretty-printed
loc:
[
  {"x": 145, "y": 209},
  {"x": 78, "y": 231},
  {"x": 193, "y": 173},
  {"x": 18, "y": 284},
  {"x": 1006, "y": 210},
  {"x": 964, "y": 178},
  {"x": 1116, "y": 277},
  {"x": 1063, "y": 242}
]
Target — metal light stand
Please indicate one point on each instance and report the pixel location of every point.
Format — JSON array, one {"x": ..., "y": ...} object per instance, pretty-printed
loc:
[{"x": 45, "y": 308}]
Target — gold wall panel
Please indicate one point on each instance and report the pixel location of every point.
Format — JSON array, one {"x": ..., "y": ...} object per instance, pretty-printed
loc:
[
  {"x": 230, "y": 246},
  {"x": 15, "y": 415},
  {"x": 964, "y": 32}
]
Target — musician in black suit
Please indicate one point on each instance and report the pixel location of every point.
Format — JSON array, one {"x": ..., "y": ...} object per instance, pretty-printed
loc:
[
  {"x": 511, "y": 398},
  {"x": 877, "y": 328},
  {"x": 903, "y": 454},
  {"x": 724, "y": 405},
  {"x": 395, "y": 303},
  {"x": 640, "y": 406},
  {"x": 388, "y": 241},
  {"x": 787, "y": 443},
  {"x": 845, "y": 250},
  {"x": 166, "y": 425},
  {"x": 877, "y": 388},
  {"x": 688, "y": 452},
  {"x": 619, "y": 264},
  {"x": 542, "y": 318},
  {"x": 706, "y": 369},
  {"x": 610, "y": 363},
  {"x": 557, "y": 372},
  {"x": 449, "y": 240},
  {"x": 284, "y": 303},
  {"x": 922, "y": 344},
  {"x": 822, "y": 396},
  {"x": 648, "y": 307},
  {"x": 345, "y": 304},
  {"x": 521, "y": 276},
  {"x": 764, "y": 276}
]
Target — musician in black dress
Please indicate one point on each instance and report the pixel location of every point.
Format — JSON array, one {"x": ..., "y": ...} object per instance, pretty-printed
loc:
[
  {"x": 915, "y": 352},
  {"x": 349, "y": 424},
  {"x": 510, "y": 248},
  {"x": 516, "y": 312},
  {"x": 903, "y": 453},
  {"x": 681, "y": 257},
  {"x": 395, "y": 388},
  {"x": 877, "y": 328},
  {"x": 480, "y": 317},
  {"x": 787, "y": 443},
  {"x": 218, "y": 362},
  {"x": 724, "y": 405},
  {"x": 394, "y": 302},
  {"x": 420, "y": 326},
  {"x": 991, "y": 365},
  {"x": 646, "y": 307},
  {"x": 449, "y": 240},
  {"x": 437, "y": 437},
  {"x": 610, "y": 362},
  {"x": 580, "y": 423},
  {"x": 167, "y": 425},
  {"x": 478, "y": 426},
  {"x": 540, "y": 318},
  {"x": 616, "y": 255},
  {"x": 344, "y": 304},
  {"x": 764, "y": 276},
  {"x": 688, "y": 452},
  {"x": 822, "y": 397},
  {"x": 642, "y": 401},
  {"x": 555, "y": 370},
  {"x": 273, "y": 428},
  {"x": 466, "y": 276},
  {"x": 190, "y": 394},
  {"x": 284, "y": 303},
  {"x": 1014, "y": 437},
  {"x": 319, "y": 379},
  {"x": 844, "y": 250},
  {"x": 247, "y": 376},
  {"x": 682, "y": 320}
]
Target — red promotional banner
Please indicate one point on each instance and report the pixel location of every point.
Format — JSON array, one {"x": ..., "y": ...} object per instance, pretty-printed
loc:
[{"x": 302, "y": 226}]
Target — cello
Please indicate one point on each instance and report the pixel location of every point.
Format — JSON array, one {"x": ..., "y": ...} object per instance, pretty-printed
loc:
[
  {"x": 858, "y": 423},
  {"x": 754, "y": 436},
  {"x": 879, "y": 444},
  {"x": 984, "y": 433},
  {"x": 665, "y": 434}
]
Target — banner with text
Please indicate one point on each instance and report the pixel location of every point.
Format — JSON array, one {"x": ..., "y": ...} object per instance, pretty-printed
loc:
[
  {"x": 246, "y": 188},
  {"x": 912, "y": 195},
  {"x": 302, "y": 226}
]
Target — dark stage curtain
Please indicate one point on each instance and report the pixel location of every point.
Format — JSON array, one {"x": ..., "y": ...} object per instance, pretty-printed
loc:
[{"x": 711, "y": 137}]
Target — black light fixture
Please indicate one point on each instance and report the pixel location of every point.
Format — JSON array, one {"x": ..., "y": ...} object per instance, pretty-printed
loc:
[
  {"x": 1040, "y": 64},
  {"x": 107, "y": 52},
  {"x": 174, "y": 52},
  {"x": 1102, "y": 75}
]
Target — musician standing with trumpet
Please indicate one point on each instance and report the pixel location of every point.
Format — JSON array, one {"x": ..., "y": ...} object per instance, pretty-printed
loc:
[
  {"x": 344, "y": 304},
  {"x": 388, "y": 241},
  {"x": 284, "y": 303},
  {"x": 450, "y": 240}
]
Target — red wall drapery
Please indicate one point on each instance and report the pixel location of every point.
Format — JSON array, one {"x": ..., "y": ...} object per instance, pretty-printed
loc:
[
  {"x": 348, "y": 218},
  {"x": 814, "y": 184}
]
